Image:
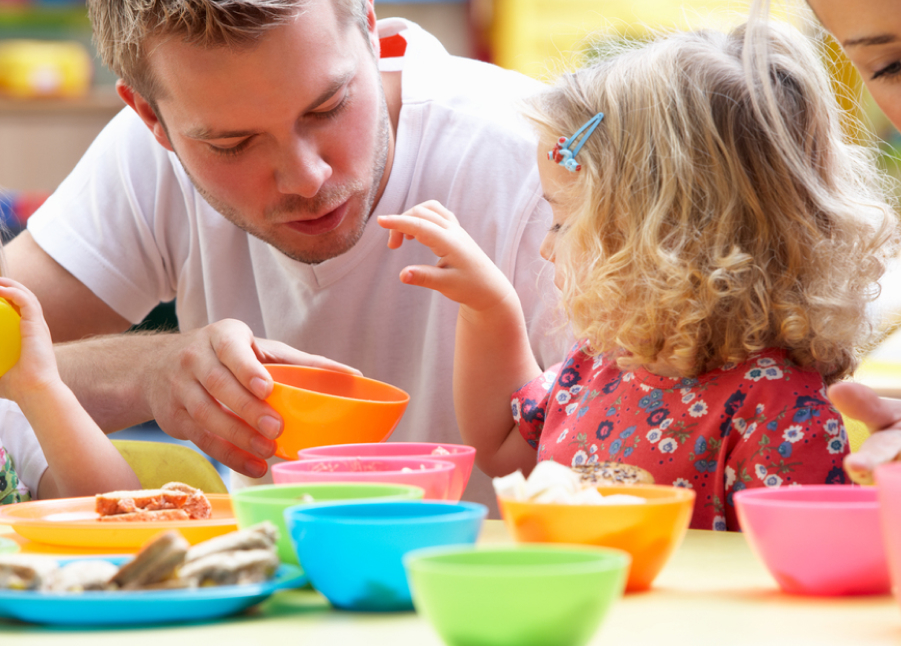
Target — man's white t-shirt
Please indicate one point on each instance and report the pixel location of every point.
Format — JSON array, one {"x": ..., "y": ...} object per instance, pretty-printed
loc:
[{"x": 129, "y": 224}]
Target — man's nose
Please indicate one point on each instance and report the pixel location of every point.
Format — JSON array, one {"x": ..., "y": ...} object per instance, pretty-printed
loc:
[{"x": 302, "y": 170}]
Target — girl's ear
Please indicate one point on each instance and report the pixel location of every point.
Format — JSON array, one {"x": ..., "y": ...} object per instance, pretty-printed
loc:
[{"x": 148, "y": 115}]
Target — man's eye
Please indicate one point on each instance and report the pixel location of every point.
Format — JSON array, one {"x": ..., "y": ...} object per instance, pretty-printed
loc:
[
  {"x": 230, "y": 151},
  {"x": 332, "y": 112},
  {"x": 890, "y": 70}
]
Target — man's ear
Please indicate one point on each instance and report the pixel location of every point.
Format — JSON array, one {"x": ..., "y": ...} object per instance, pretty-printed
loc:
[
  {"x": 373, "y": 29},
  {"x": 148, "y": 115}
]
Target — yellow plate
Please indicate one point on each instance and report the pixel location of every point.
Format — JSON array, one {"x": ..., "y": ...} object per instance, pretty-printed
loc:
[{"x": 72, "y": 522}]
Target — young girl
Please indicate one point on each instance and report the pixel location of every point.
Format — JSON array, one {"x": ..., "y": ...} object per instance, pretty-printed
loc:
[
  {"x": 716, "y": 241},
  {"x": 49, "y": 446}
]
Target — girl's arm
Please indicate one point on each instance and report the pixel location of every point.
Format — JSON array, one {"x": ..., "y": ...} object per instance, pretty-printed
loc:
[
  {"x": 81, "y": 460},
  {"x": 493, "y": 357}
]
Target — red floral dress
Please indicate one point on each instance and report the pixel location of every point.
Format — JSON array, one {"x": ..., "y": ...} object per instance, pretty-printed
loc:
[{"x": 761, "y": 423}]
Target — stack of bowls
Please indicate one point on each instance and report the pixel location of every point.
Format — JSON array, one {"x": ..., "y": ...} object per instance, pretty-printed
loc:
[
  {"x": 352, "y": 552},
  {"x": 461, "y": 455},
  {"x": 649, "y": 532},
  {"x": 434, "y": 476}
]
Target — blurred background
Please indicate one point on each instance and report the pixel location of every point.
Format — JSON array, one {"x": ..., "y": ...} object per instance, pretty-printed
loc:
[{"x": 55, "y": 95}]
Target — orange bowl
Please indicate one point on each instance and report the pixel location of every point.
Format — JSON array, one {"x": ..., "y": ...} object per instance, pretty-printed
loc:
[
  {"x": 650, "y": 531},
  {"x": 321, "y": 407}
]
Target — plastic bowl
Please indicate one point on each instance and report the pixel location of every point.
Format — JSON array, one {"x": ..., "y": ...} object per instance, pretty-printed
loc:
[
  {"x": 649, "y": 531},
  {"x": 461, "y": 455},
  {"x": 353, "y": 552},
  {"x": 817, "y": 539},
  {"x": 888, "y": 483},
  {"x": 434, "y": 476},
  {"x": 268, "y": 502},
  {"x": 325, "y": 407},
  {"x": 538, "y": 595}
]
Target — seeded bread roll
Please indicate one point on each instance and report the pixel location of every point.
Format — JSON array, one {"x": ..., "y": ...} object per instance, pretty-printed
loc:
[{"x": 613, "y": 473}]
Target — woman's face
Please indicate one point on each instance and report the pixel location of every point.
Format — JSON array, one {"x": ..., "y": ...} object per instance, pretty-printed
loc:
[{"x": 870, "y": 34}]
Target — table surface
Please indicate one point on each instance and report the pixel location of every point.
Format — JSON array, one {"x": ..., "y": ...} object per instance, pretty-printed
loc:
[{"x": 713, "y": 591}]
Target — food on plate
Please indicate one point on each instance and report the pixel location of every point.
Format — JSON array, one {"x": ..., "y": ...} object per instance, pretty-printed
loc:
[
  {"x": 555, "y": 483},
  {"x": 24, "y": 572},
  {"x": 440, "y": 450},
  {"x": 167, "y": 561},
  {"x": 613, "y": 473},
  {"x": 78, "y": 576},
  {"x": 172, "y": 501},
  {"x": 156, "y": 562}
]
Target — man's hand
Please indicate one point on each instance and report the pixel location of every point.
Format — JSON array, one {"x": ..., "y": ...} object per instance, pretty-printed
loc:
[
  {"x": 206, "y": 386},
  {"x": 882, "y": 417},
  {"x": 464, "y": 273}
]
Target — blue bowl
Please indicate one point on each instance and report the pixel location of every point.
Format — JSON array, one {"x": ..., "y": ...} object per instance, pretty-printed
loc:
[{"x": 353, "y": 552}]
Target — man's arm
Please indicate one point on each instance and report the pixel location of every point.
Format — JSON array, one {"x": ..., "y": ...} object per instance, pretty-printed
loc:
[
  {"x": 72, "y": 311},
  {"x": 882, "y": 417},
  {"x": 206, "y": 385}
]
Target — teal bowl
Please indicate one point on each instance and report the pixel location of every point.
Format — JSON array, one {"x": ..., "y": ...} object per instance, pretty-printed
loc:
[
  {"x": 353, "y": 553},
  {"x": 268, "y": 502},
  {"x": 536, "y": 595}
]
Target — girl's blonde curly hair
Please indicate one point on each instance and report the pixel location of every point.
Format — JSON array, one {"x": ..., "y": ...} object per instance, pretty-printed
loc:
[{"x": 720, "y": 209}]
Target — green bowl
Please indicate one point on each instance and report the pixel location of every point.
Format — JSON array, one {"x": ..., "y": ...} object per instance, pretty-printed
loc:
[
  {"x": 268, "y": 502},
  {"x": 542, "y": 595}
]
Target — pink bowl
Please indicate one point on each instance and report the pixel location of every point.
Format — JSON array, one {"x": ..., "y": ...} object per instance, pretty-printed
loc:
[
  {"x": 434, "y": 476},
  {"x": 817, "y": 539},
  {"x": 888, "y": 484},
  {"x": 461, "y": 455}
]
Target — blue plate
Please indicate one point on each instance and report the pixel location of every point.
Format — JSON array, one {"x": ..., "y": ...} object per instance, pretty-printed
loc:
[{"x": 142, "y": 608}]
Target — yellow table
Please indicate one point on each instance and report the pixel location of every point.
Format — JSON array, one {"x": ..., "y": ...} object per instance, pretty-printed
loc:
[{"x": 713, "y": 592}]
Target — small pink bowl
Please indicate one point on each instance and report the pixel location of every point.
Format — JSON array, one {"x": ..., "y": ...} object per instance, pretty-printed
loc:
[
  {"x": 461, "y": 455},
  {"x": 434, "y": 476},
  {"x": 817, "y": 539},
  {"x": 888, "y": 484}
]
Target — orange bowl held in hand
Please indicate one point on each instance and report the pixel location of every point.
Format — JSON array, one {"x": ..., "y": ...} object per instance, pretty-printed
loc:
[
  {"x": 649, "y": 531},
  {"x": 321, "y": 407}
]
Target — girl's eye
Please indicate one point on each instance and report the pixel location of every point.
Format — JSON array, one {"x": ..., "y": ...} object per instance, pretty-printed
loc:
[
  {"x": 555, "y": 228},
  {"x": 890, "y": 70},
  {"x": 232, "y": 151}
]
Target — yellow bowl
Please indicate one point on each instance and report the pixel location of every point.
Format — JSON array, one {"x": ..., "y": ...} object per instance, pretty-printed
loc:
[
  {"x": 11, "y": 334},
  {"x": 321, "y": 407},
  {"x": 649, "y": 531}
]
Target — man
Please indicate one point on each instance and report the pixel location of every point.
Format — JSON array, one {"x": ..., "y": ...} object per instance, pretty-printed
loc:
[{"x": 262, "y": 137}]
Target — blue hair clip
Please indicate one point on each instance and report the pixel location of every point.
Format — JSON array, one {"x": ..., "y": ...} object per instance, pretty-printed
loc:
[{"x": 563, "y": 152}]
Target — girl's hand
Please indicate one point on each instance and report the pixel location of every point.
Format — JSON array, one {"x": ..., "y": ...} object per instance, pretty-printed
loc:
[
  {"x": 464, "y": 273},
  {"x": 36, "y": 367}
]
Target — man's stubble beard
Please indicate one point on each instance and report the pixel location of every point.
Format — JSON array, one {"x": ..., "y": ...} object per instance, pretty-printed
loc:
[{"x": 333, "y": 244}]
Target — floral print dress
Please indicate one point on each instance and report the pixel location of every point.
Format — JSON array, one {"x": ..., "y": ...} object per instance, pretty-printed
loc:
[
  {"x": 11, "y": 489},
  {"x": 761, "y": 423}
]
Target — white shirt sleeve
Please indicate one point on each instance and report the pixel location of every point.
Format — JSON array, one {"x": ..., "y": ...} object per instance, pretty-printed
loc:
[{"x": 18, "y": 439}]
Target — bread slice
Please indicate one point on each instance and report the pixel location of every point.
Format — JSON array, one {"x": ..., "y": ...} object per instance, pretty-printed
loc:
[
  {"x": 613, "y": 473},
  {"x": 142, "y": 504}
]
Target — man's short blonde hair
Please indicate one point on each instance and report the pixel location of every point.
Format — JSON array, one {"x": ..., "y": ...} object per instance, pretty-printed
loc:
[
  {"x": 122, "y": 28},
  {"x": 721, "y": 209}
]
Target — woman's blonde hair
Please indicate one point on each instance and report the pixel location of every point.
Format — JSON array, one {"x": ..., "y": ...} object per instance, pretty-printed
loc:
[
  {"x": 122, "y": 28},
  {"x": 720, "y": 209}
]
